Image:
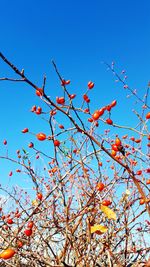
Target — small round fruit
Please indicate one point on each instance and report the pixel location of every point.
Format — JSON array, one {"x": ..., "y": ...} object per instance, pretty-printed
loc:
[
  {"x": 30, "y": 145},
  {"x": 139, "y": 172},
  {"x": 90, "y": 119},
  {"x": 28, "y": 232},
  {"x": 87, "y": 100},
  {"x": 61, "y": 126},
  {"x": 18, "y": 170},
  {"x": 137, "y": 141},
  {"x": 113, "y": 153},
  {"x": 60, "y": 100},
  {"x": 85, "y": 97},
  {"x": 117, "y": 142},
  {"x": 100, "y": 186},
  {"x": 19, "y": 244},
  {"x": 9, "y": 221},
  {"x": 114, "y": 147},
  {"x": 72, "y": 96},
  {"x": 64, "y": 82},
  {"x": 113, "y": 103},
  {"x": 39, "y": 92},
  {"x": 38, "y": 111},
  {"x": 25, "y": 130},
  {"x": 96, "y": 115},
  {"x": 39, "y": 196},
  {"x": 33, "y": 109},
  {"x": 67, "y": 82},
  {"x": 90, "y": 85},
  {"x": 109, "y": 121},
  {"x": 148, "y": 116},
  {"x": 142, "y": 201},
  {"x": 5, "y": 142},
  {"x": 108, "y": 108},
  {"x": 30, "y": 224},
  {"x": 56, "y": 143},
  {"x": 101, "y": 111},
  {"x": 7, "y": 253},
  {"x": 41, "y": 136},
  {"x": 106, "y": 202}
]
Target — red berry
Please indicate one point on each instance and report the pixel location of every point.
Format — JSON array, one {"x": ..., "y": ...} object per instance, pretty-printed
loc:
[
  {"x": 87, "y": 100},
  {"x": 108, "y": 108},
  {"x": 113, "y": 103},
  {"x": 114, "y": 147},
  {"x": 30, "y": 224},
  {"x": 148, "y": 181},
  {"x": 137, "y": 141},
  {"x": 28, "y": 232},
  {"x": 56, "y": 143},
  {"x": 19, "y": 244},
  {"x": 148, "y": 116},
  {"x": 85, "y": 97},
  {"x": 39, "y": 91},
  {"x": 139, "y": 172},
  {"x": 86, "y": 110},
  {"x": 96, "y": 115},
  {"x": 9, "y": 221},
  {"x": 7, "y": 253},
  {"x": 100, "y": 186},
  {"x": 90, "y": 85},
  {"x": 113, "y": 153},
  {"x": 109, "y": 121},
  {"x": 25, "y": 130},
  {"x": 64, "y": 82},
  {"x": 5, "y": 142},
  {"x": 72, "y": 96},
  {"x": 60, "y": 100},
  {"x": 117, "y": 142},
  {"x": 90, "y": 119},
  {"x": 142, "y": 201},
  {"x": 106, "y": 202},
  {"x": 41, "y": 136},
  {"x": 33, "y": 109},
  {"x": 101, "y": 111},
  {"x": 39, "y": 196},
  {"x": 38, "y": 111},
  {"x": 18, "y": 170},
  {"x": 61, "y": 126},
  {"x": 67, "y": 82},
  {"x": 30, "y": 145}
]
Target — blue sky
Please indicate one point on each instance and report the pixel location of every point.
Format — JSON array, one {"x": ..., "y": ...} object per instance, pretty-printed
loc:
[{"x": 78, "y": 35}]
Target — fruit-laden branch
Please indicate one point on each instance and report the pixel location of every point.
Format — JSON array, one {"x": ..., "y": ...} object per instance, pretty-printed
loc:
[{"x": 82, "y": 130}]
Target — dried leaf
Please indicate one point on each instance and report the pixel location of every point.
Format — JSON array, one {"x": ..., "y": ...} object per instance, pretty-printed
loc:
[
  {"x": 108, "y": 212},
  {"x": 34, "y": 202},
  {"x": 127, "y": 192},
  {"x": 98, "y": 229}
]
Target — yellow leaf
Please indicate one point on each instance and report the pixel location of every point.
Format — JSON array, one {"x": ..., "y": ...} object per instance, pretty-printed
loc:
[
  {"x": 34, "y": 202},
  {"x": 108, "y": 212},
  {"x": 98, "y": 229},
  {"x": 127, "y": 192}
]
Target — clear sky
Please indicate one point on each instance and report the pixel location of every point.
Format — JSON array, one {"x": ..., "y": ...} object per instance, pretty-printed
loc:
[{"x": 78, "y": 35}]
